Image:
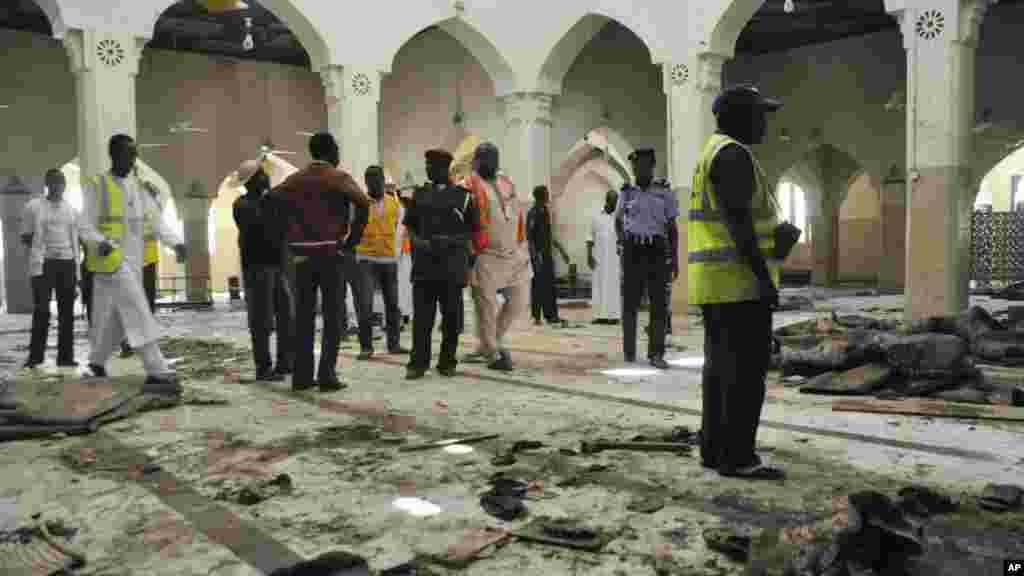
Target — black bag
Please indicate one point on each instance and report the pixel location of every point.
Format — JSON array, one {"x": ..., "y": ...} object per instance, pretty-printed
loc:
[{"x": 786, "y": 237}]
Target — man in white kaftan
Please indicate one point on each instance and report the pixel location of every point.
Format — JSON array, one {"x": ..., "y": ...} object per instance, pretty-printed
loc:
[
  {"x": 603, "y": 258},
  {"x": 120, "y": 308}
]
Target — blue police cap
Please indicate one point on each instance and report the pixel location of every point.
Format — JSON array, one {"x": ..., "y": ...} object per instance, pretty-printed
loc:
[{"x": 743, "y": 98}]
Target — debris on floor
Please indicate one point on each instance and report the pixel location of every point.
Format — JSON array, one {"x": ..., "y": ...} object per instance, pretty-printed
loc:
[
  {"x": 933, "y": 358},
  {"x": 41, "y": 548},
  {"x": 563, "y": 532},
  {"x": 256, "y": 492},
  {"x": 472, "y": 543},
  {"x": 337, "y": 562},
  {"x": 505, "y": 499},
  {"x": 1001, "y": 497}
]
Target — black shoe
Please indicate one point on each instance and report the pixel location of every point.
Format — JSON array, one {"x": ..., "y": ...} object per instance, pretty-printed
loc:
[
  {"x": 67, "y": 364},
  {"x": 126, "y": 350},
  {"x": 162, "y": 385},
  {"x": 302, "y": 386},
  {"x": 503, "y": 362},
  {"x": 446, "y": 371},
  {"x": 97, "y": 371},
  {"x": 31, "y": 365},
  {"x": 282, "y": 370},
  {"x": 659, "y": 363},
  {"x": 414, "y": 373},
  {"x": 399, "y": 350},
  {"x": 269, "y": 376},
  {"x": 629, "y": 359},
  {"x": 365, "y": 355},
  {"x": 331, "y": 385}
]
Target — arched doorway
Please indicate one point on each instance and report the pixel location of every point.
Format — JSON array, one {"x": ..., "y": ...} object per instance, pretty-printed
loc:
[{"x": 860, "y": 231}]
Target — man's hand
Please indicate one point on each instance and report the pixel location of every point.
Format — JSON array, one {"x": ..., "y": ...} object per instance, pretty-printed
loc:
[
  {"x": 769, "y": 293},
  {"x": 181, "y": 251},
  {"x": 675, "y": 269},
  {"x": 105, "y": 248},
  {"x": 591, "y": 262}
]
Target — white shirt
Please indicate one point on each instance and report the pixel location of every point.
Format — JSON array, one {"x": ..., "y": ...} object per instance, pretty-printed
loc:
[{"x": 54, "y": 230}]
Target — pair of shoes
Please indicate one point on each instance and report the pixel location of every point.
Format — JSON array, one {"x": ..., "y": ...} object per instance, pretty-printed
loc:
[
  {"x": 756, "y": 471},
  {"x": 331, "y": 384},
  {"x": 502, "y": 362},
  {"x": 31, "y": 365},
  {"x": 446, "y": 371},
  {"x": 97, "y": 371},
  {"x": 659, "y": 363},
  {"x": 282, "y": 370},
  {"x": 269, "y": 375},
  {"x": 556, "y": 321},
  {"x": 365, "y": 355},
  {"x": 67, "y": 364},
  {"x": 399, "y": 350},
  {"x": 126, "y": 350},
  {"x": 414, "y": 373}
]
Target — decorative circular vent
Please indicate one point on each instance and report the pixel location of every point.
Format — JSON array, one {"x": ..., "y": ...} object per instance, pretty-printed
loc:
[
  {"x": 110, "y": 52},
  {"x": 680, "y": 73},
  {"x": 361, "y": 84},
  {"x": 930, "y": 24}
]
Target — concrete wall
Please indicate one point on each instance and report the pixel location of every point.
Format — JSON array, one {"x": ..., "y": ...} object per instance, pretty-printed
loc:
[{"x": 860, "y": 230}]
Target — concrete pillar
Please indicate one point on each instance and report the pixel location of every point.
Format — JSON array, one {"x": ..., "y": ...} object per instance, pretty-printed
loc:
[
  {"x": 892, "y": 270},
  {"x": 15, "y": 192},
  {"x": 105, "y": 66},
  {"x": 353, "y": 116},
  {"x": 690, "y": 90},
  {"x": 526, "y": 156},
  {"x": 196, "y": 217},
  {"x": 826, "y": 237},
  {"x": 940, "y": 38}
]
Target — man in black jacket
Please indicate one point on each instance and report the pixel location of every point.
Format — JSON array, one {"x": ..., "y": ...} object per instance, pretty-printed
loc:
[
  {"x": 268, "y": 296},
  {"x": 543, "y": 292},
  {"x": 441, "y": 222}
]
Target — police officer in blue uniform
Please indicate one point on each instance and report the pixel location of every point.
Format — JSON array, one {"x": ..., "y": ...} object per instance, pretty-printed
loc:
[{"x": 645, "y": 221}]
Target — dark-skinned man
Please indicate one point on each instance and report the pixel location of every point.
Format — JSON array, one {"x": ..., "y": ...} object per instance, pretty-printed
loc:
[
  {"x": 733, "y": 277},
  {"x": 315, "y": 204},
  {"x": 645, "y": 221},
  {"x": 377, "y": 256},
  {"x": 543, "y": 292},
  {"x": 115, "y": 209},
  {"x": 268, "y": 295},
  {"x": 52, "y": 236},
  {"x": 441, "y": 221},
  {"x": 603, "y": 259}
]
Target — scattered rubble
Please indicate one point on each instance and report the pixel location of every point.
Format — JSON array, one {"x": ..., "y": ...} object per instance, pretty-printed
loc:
[
  {"x": 563, "y": 532},
  {"x": 329, "y": 563},
  {"x": 937, "y": 357},
  {"x": 257, "y": 492}
]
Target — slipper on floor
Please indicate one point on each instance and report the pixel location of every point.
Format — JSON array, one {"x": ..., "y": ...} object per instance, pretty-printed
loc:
[
  {"x": 502, "y": 506},
  {"x": 728, "y": 543},
  {"x": 756, "y": 472},
  {"x": 1001, "y": 497}
]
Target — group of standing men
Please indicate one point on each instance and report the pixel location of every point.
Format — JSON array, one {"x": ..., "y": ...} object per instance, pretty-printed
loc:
[{"x": 119, "y": 227}]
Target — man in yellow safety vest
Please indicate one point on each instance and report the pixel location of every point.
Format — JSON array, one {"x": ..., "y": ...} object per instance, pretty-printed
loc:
[
  {"x": 733, "y": 276},
  {"x": 115, "y": 209}
]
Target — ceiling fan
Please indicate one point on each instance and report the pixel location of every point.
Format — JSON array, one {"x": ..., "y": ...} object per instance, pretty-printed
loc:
[{"x": 185, "y": 127}]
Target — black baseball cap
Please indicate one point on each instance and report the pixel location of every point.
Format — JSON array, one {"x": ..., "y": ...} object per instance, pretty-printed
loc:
[
  {"x": 642, "y": 153},
  {"x": 743, "y": 97}
]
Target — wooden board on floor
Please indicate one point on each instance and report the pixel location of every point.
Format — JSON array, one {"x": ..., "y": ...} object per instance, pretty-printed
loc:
[{"x": 937, "y": 408}]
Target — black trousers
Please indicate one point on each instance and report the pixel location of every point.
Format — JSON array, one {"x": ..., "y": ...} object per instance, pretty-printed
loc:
[
  {"x": 458, "y": 315},
  {"x": 428, "y": 296},
  {"x": 149, "y": 284},
  {"x": 371, "y": 276},
  {"x": 58, "y": 277},
  {"x": 85, "y": 285},
  {"x": 644, "y": 270},
  {"x": 268, "y": 299},
  {"x": 317, "y": 274},
  {"x": 737, "y": 352},
  {"x": 543, "y": 292}
]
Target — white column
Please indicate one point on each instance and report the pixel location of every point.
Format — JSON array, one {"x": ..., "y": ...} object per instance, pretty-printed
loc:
[
  {"x": 940, "y": 38},
  {"x": 526, "y": 156},
  {"x": 105, "y": 66},
  {"x": 690, "y": 90},
  {"x": 353, "y": 117}
]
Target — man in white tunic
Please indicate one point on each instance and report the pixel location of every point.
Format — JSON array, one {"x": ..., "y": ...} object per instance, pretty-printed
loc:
[
  {"x": 603, "y": 258},
  {"x": 115, "y": 207}
]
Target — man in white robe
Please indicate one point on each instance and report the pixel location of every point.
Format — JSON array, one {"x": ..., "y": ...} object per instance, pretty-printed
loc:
[
  {"x": 603, "y": 259},
  {"x": 120, "y": 308}
]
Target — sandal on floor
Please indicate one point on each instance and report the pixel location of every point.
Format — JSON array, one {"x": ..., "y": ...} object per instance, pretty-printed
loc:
[
  {"x": 1001, "y": 497},
  {"x": 755, "y": 472},
  {"x": 729, "y": 543}
]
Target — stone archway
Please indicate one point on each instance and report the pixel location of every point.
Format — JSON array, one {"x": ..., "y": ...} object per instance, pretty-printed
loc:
[
  {"x": 305, "y": 31},
  {"x": 568, "y": 47},
  {"x": 725, "y": 29},
  {"x": 54, "y": 14}
]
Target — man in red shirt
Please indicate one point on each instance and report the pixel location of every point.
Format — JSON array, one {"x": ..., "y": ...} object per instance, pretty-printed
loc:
[{"x": 315, "y": 203}]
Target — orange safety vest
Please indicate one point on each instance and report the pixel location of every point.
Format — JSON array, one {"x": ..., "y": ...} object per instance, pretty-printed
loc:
[
  {"x": 406, "y": 242},
  {"x": 475, "y": 184}
]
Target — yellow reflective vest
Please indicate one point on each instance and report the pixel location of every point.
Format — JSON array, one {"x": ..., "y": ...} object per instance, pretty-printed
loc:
[
  {"x": 151, "y": 252},
  {"x": 378, "y": 238},
  {"x": 110, "y": 222},
  {"x": 716, "y": 273}
]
